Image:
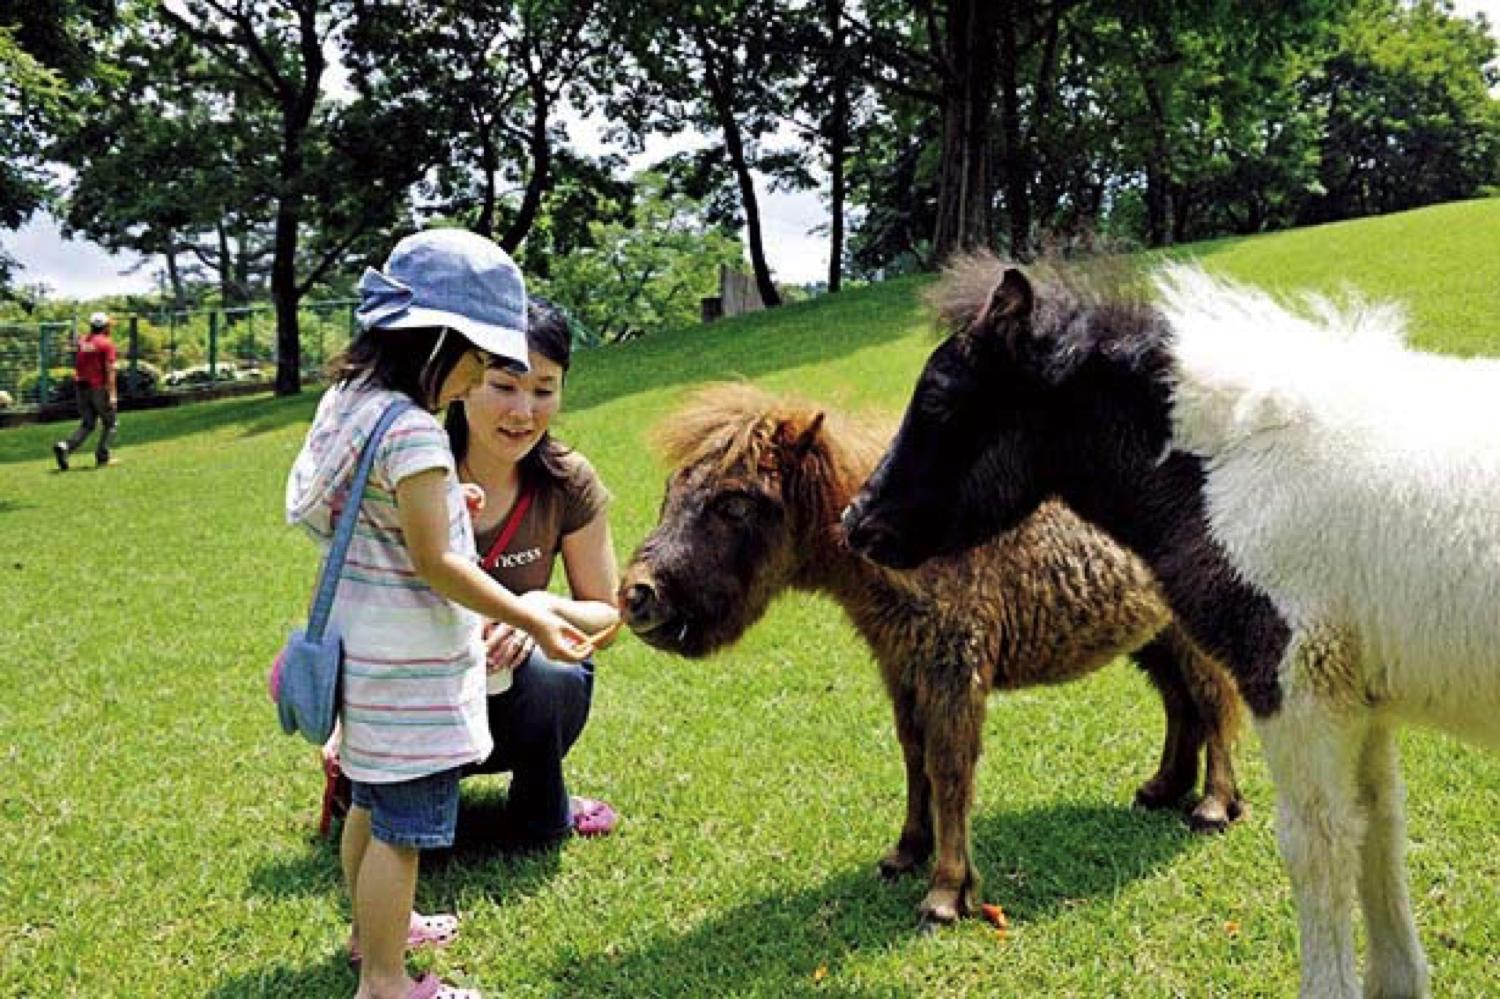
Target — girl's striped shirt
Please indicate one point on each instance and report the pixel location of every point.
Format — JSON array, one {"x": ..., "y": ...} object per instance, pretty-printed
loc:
[{"x": 414, "y": 676}]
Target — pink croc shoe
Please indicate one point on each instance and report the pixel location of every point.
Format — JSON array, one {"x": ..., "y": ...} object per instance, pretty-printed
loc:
[
  {"x": 433, "y": 987},
  {"x": 436, "y": 932},
  {"x": 592, "y": 817}
]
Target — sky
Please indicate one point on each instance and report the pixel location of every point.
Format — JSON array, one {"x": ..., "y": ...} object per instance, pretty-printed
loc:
[{"x": 80, "y": 269}]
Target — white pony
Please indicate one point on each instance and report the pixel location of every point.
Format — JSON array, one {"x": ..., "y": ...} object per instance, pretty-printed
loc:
[
  {"x": 1320, "y": 503},
  {"x": 1357, "y": 483}
]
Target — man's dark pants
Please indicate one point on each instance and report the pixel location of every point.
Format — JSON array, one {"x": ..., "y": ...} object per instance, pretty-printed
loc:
[{"x": 94, "y": 406}]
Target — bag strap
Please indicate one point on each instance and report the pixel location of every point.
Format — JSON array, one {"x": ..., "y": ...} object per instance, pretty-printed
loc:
[
  {"x": 512, "y": 524},
  {"x": 333, "y": 565}
]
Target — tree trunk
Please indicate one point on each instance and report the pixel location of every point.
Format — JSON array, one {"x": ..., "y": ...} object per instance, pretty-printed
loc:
[
  {"x": 541, "y": 171},
  {"x": 968, "y": 92},
  {"x": 284, "y": 294},
  {"x": 226, "y": 268},
  {"x": 297, "y": 109},
  {"x": 1015, "y": 162},
  {"x": 1158, "y": 169},
  {"x": 284, "y": 289},
  {"x": 837, "y": 132},
  {"x": 489, "y": 166},
  {"x": 734, "y": 144},
  {"x": 173, "y": 274}
]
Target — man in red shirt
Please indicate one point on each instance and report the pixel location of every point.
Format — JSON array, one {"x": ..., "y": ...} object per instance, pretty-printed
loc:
[{"x": 98, "y": 397}]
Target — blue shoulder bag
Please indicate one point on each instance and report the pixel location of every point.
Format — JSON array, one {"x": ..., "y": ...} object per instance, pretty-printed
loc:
[{"x": 305, "y": 677}]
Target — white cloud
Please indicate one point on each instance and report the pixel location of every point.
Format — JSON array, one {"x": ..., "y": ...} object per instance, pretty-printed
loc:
[{"x": 71, "y": 268}]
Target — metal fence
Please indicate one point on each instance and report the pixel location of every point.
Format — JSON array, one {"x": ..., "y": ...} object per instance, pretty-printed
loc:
[{"x": 168, "y": 351}]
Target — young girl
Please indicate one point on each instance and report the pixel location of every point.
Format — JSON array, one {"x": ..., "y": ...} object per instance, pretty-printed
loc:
[
  {"x": 541, "y": 499},
  {"x": 409, "y": 604}
]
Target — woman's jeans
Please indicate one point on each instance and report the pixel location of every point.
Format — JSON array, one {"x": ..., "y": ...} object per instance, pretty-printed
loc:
[{"x": 534, "y": 724}]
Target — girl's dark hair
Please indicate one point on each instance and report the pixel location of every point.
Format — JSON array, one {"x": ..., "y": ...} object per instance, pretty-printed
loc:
[
  {"x": 402, "y": 361},
  {"x": 549, "y": 333}
]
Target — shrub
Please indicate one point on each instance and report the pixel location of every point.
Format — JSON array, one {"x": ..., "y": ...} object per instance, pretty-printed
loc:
[
  {"x": 144, "y": 381},
  {"x": 59, "y": 386}
]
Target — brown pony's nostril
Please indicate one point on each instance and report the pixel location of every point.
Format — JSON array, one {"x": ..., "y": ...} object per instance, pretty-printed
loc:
[{"x": 640, "y": 599}]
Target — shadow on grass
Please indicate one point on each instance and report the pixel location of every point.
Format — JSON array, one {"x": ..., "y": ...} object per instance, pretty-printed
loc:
[
  {"x": 257, "y": 414},
  {"x": 332, "y": 977},
  {"x": 11, "y": 506},
  {"x": 1036, "y": 864},
  {"x": 478, "y": 857},
  {"x": 314, "y": 872}
]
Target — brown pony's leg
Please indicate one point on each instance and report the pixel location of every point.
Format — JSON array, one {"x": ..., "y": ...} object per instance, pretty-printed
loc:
[
  {"x": 915, "y": 845},
  {"x": 1218, "y": 705},
  {"x": 1178, "y": 771},
  {"x": 1202, "y": 713},
  {"x": 955, "y": 709}
]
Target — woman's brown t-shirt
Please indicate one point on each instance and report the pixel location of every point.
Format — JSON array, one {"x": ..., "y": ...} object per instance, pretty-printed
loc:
[{"x": 558, "y": 508}]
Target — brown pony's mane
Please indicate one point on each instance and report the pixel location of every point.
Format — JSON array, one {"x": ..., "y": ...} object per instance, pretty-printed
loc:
[{"x": 734, "y": 428}]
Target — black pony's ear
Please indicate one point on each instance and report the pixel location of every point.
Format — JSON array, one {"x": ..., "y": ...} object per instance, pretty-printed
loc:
[{"x": 1011, "y": 299}]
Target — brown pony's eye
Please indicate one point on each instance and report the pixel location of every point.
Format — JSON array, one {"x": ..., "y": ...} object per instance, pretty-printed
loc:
[{"x": 735, "y": 506}]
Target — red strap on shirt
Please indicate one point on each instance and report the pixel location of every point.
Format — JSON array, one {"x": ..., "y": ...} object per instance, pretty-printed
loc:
[{"x": 512, "y": 524}]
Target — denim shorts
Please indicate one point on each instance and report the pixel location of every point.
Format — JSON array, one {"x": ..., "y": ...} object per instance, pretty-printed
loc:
[{"x": 420, "y": 813}]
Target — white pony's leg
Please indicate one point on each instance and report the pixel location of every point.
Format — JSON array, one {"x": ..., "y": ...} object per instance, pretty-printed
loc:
[
  {"x": 1396, "y": 966},
  {"x": 1313, "y": 755}
]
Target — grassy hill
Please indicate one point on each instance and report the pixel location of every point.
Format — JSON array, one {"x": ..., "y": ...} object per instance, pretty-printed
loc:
[{"x": 155, "y": 828}]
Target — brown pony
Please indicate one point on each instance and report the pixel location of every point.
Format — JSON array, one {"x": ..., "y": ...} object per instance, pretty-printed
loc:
[{"x": 753, "y": 508}]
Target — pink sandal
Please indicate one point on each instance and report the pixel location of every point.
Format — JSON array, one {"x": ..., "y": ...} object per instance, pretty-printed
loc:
[
  {"x": 592, "y": 817},
  {"x": 436, "y": 932},
  {"x": 433, "y": 987}
]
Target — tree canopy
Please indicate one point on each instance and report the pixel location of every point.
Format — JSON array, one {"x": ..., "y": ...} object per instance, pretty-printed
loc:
[{"x": 257, "y": 148}]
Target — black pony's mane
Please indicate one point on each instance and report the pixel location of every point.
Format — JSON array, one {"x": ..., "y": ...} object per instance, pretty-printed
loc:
[{"x": 1099, "y": 308}]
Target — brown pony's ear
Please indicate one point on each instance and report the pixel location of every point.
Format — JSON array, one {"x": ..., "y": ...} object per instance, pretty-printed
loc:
[{"x": 804, "y": 441}]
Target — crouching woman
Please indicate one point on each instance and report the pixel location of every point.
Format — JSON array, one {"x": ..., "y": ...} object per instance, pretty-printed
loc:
[{"x": 536, "y": 499}]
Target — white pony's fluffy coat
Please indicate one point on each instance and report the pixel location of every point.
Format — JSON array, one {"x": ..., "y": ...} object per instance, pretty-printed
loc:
[{"x": 1357, "y": 483}]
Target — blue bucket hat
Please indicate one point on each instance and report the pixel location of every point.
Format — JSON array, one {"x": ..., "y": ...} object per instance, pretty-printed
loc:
[{"x": 452, "y": 278}]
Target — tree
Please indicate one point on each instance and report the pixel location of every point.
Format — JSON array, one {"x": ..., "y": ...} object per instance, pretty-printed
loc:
[
  {"x": 708, "y": 70},
  {"x": 1411, "y": 116},
  {"x": 165, "y": 164},
  {"x": 488, "y": 80},
  {"x": 646, "y": 272},
  {"x": 47, "y": 74},
  {"x": 346, "y": 169}
]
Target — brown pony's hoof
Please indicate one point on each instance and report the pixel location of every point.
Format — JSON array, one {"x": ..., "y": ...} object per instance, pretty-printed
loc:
[
  {"x": 898, "y": 863},
  {"x": 943, "y": 907},
  {"x": 1157, "y": 794},
  {"x": 1212, "y": 815}
]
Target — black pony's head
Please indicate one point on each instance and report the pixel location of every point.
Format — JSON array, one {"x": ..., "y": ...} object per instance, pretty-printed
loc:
[{"x": 1027, "y": 391}]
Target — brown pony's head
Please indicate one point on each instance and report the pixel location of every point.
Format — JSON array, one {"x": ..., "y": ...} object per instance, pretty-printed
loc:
[{"x": 756, "y": 491}]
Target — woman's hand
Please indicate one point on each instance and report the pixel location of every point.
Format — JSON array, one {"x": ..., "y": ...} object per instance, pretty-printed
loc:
[
  {"x": 505, "y": 647},
  {"x": 473, "y": 497},
  {"x": 330, "y": 750}
]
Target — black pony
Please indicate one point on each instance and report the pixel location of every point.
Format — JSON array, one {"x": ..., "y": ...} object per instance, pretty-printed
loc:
[{"x": 1060, "y": 395}]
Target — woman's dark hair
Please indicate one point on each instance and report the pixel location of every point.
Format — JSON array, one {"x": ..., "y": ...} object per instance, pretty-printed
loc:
[
  {"x": 402, "y": 361},
  {"x": 549, "y": 333}
]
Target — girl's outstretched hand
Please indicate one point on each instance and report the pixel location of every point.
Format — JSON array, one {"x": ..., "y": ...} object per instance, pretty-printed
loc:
[{"x": 559, "y": 640}]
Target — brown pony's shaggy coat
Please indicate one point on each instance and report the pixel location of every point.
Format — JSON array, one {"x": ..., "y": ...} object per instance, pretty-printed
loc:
[{"x": 753, "y": 508}]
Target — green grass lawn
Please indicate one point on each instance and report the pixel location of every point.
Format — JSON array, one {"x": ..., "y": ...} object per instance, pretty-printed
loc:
[{"x": 156, "y": 829}]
